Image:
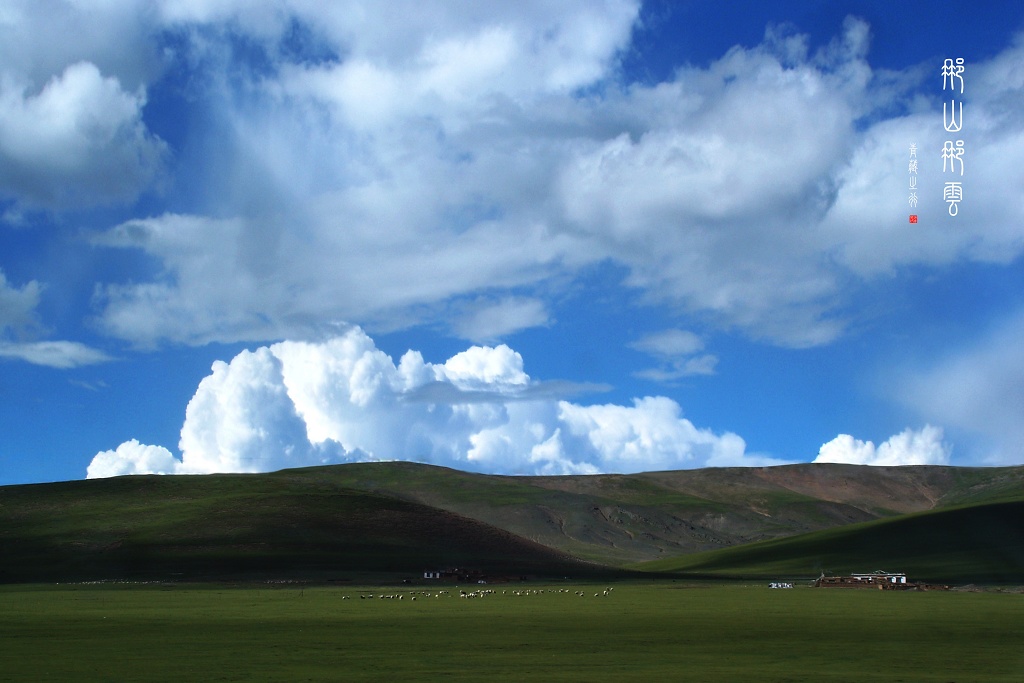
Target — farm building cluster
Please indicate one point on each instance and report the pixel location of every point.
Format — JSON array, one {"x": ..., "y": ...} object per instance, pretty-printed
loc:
[{"x": 880, "y": 580}]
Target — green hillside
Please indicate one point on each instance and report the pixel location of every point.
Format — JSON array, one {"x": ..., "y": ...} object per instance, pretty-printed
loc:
[
  {"x": 243, "y": 526},
  {"x": 973, "y": 544},
  {"x": 403, "y": 518}
]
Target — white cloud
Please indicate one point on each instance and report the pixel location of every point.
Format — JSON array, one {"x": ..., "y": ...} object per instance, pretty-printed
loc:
[
  {"x": 457, "y": 160},
  {"x": 435, "y": 152},
  {"x": 79, "y": 140},
  {"x": 670, "y": 343},
  {"x": 453, "y": 54},
  {"x": 39, "y": 40},
  {"x": 479, "y": 367},
  {"x": 54, "y": 354},
  {"x": 18, "y": 305},
  {"x": 679, "y": 368},
  {"x": 678, "y": 352},
  {"x": 485, "y": 320},
  {"x": 909, "y": 447},
  {"x": 979, "y": 389},
  {"x": 241, "y": 419},
  {"x": 18, "y": 320},
  {"x": 132, "y": 457},
  {"x": 700, "y": 365},
  {"x": 692, "y": 200},
  {"x": 651, "y": 433},
  {"x": 870, "y": 195},
  {"x": 343, "y": 400},
  {"x": 293, "y": 283}
]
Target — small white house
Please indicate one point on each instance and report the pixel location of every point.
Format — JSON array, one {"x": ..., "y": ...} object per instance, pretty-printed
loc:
[{"x": 898, "y": 578}]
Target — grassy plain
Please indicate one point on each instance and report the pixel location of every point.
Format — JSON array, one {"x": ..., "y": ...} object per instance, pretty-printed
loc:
[{"x": 653, "y": 631}]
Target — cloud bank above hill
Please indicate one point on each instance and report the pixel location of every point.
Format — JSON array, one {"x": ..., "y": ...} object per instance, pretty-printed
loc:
[
  {"x": 909, "y": 447},
  {"x": 294, "y": 404}
]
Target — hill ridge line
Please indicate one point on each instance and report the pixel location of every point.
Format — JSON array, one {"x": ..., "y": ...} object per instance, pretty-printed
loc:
[{"x": 614, "y": 520}]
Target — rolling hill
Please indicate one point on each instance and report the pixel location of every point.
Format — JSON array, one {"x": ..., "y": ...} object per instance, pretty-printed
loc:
[
  {"x": 978, "y": 543},
  {"x": 624, "y": 519},
  {"x": 403, "y": 518},
  {"x": 244, "y": 527}
]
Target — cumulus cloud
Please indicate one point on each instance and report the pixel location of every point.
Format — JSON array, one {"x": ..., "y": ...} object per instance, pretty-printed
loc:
[
  {"x": 40, "y": 40},
  {"x": 132, "y": 457},
  {"x": 73, "y": 82},
  {"x": 693, "y": 201},
  {"x": 909, "y": 447},
  {"x": 652, "y": 431},
  {"x": 344, "y": 400},
  {"x": 241, "y": 419},
  {"x": 79, "y": 140},
  {"x": 979, "y": 389}
]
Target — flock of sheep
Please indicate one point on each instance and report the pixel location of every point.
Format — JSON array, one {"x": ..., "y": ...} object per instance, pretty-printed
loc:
[{"x": 479, "y": 593}]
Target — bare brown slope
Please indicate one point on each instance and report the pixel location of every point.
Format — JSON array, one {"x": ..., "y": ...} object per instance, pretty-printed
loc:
[
  {"x": 879, "y": 490},
  {"x": 629, "y": 518},
  {"x": 876, "y": 491}
]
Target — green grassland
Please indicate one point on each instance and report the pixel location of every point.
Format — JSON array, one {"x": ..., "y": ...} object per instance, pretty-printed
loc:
[
  {"x": 665, "y": 631},
  {"x": 970, "y": 544},
  {"x": 255, "y": 539}
]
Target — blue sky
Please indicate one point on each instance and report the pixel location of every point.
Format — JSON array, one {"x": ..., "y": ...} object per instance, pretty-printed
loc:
[{"x": 517, "y": 238}]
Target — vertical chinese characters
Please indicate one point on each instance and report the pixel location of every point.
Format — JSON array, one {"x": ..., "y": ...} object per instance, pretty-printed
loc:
[
  {"x": 912, "y": 171},
  {"x": 953, "y": 121}
]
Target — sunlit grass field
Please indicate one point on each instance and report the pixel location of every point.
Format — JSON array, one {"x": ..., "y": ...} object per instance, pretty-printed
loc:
[{"x": 664, "y": 631}]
